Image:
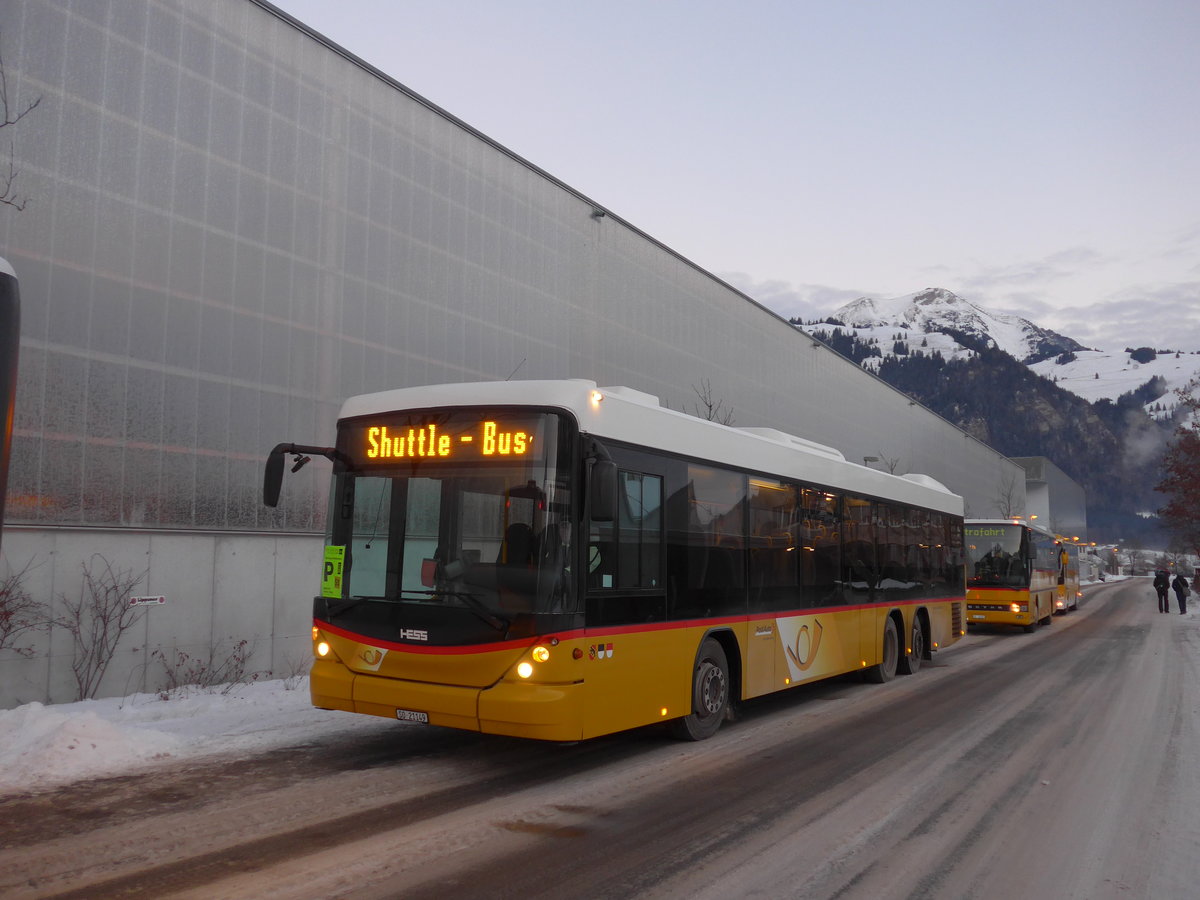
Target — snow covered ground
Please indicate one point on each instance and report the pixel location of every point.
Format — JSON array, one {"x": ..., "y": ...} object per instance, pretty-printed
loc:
[
  {"x": 1114, "y": 693},
  {"x": 47, "y": 746}
]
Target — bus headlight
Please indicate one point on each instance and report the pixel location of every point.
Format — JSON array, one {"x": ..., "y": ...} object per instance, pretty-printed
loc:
[
  {"x": 524, "y": 668},
  {"x": 540, "y": 653},
  {"x": 322, "y": 649}
]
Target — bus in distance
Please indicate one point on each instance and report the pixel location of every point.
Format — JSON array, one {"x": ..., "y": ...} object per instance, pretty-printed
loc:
[
  {"x": 556, "y": 560},
  {"x": 1068, "y": 592},
  {"x": 1013, "y": 570}
]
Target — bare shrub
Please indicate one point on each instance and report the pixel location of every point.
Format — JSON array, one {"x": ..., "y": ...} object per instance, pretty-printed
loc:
[
  {"x": 20, "y": 613},
  {"x": 11, "y": 113},
  {"x": 220, "y": 671},
  {"x": 295, "y": 669},
  {"x": 98, "y": 619},
  {"x": 710, "y": 407}
]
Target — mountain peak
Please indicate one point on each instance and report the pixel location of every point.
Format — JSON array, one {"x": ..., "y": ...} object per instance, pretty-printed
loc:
[
  {"x": 937, "y": 310},
  {"x": 931, "y": 296}
]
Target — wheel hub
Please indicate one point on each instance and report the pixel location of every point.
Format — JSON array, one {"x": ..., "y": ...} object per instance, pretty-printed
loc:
[{"x": 710, "y": 694}]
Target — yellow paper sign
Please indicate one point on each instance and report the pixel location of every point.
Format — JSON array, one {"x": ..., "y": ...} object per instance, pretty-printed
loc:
[{"x": 331, "y": 578}]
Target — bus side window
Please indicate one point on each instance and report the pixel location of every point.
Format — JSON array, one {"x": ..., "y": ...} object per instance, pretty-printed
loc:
[
  {"x": 708, "y": 527},
  {"x": 639, "y": 535},
  {"x": 628, "y": 553}
]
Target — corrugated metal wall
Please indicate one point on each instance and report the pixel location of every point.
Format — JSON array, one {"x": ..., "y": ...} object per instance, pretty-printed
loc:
[{"x": 233, "y": 225}]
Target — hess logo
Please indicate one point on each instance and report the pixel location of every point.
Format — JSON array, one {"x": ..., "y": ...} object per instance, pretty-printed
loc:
[{"x": 414, "y": 634}]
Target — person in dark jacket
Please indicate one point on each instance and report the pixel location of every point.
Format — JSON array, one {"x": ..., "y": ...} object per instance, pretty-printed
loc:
[
  {"x": 1181, "y": 592},
  {"x": 1162, "y": 587}
]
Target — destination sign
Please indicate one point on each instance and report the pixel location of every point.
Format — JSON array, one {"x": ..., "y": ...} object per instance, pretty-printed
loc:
[
  {"x": 987, "y": 531},
  {"x": 486, "y": 439}
]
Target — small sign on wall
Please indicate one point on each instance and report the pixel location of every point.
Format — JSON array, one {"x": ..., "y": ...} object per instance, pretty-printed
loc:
[{"x": 147, "y": 601}]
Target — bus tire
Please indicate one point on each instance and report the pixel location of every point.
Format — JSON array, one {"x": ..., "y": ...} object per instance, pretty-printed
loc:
[
  {"x": 710, "y": 695},
  {"x": 885, "y": 671},
  {"x": 914, "y": 653}
]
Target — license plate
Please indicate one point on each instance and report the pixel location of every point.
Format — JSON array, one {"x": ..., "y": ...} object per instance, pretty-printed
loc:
[
  {"x": 411, "y": 715},
  {"x": 977, "y": 616}
]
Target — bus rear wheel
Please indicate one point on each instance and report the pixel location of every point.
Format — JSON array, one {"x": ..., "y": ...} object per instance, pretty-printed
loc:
[
  {"x": 886, "y": 670},
  {"x": 910, "y": 662},
  {"x": 710, "y": 695}
]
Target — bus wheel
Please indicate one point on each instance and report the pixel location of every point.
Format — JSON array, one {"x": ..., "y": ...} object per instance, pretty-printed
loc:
[
  {"x": 910, "y": 661},
  {"x": 886, "y": 670},
  {"x": 710, "y": 695}
]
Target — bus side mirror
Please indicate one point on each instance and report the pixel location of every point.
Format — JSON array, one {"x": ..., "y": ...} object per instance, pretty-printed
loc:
[
  {"x": 602, "y": 493},
  {"x": 273, "y": 476}
]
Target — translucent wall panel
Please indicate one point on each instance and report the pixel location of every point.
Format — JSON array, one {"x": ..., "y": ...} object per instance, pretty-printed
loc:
[{"x": 233, "y": 227}]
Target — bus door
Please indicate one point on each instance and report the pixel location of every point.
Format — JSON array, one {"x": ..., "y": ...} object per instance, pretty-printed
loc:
[
  {"x": 775, "y": 644},
  {"x": 628, "y": 653}
]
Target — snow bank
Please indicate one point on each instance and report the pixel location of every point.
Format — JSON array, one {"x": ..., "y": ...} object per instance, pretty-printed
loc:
[
  {"x": 40, "y": 746},
  {"x": 47, "y": 746}
]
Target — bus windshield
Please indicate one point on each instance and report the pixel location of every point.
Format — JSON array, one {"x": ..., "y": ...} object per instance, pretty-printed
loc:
[
  {"x": 444, "y": 522},
  {"x": 994, "y": 556}
]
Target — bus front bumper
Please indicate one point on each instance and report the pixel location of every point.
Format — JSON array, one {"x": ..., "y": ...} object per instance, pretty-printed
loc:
[
  {"x": 998, "y": 614},
  {"x": 549, "y": 712}
]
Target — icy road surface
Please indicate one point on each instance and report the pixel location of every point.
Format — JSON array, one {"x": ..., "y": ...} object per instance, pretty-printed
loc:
[{"x": 1064, "y": 764}]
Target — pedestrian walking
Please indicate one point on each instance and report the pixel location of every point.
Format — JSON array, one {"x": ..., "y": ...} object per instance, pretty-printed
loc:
[
  {"x": 1181, "y": 592},
  {"x": 1162, "y": 587}
]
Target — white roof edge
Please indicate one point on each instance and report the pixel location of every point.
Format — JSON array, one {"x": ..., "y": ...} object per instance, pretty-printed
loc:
[
  {"x": 782, "y": 437},
  {"x": 927, "y": 480},
  {"x": 632, "y": 394},
  {"x": 639, "y": 418}
]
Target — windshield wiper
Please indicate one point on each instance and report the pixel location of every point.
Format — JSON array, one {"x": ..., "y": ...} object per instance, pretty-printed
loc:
[
  {"x": 470, "y": 602},
  {"x": 337, "y": 607},
  {"x": 477, "y": 606}
]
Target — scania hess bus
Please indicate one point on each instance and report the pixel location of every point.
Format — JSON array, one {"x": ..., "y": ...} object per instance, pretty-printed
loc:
[
  {"x": 555, "y": 560},
  {"x": 1013, "y": 572}
]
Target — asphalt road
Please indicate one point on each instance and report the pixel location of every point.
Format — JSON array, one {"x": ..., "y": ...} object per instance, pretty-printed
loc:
[{"x": 1064, "y": 763}]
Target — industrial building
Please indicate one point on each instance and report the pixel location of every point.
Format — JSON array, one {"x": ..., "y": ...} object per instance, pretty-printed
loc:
[
  {"x": 1053, "y": 498},
  {"x": 231, "y": 224}
]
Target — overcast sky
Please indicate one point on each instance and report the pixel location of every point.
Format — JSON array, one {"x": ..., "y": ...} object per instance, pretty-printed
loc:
[{"x": 1040, "y": 157}]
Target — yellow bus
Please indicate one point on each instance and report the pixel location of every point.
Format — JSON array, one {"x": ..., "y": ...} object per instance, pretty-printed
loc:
[
  {"x": 1068, "y": 591},
  {"x": 1013, "y": 572},
  {"x": 556, "y": 560}
]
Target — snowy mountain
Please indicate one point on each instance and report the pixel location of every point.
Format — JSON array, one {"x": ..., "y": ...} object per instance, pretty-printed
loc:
[
  {"x": 939, "y": 321},
  {"x": 1099, "y": 374},
  {"x": 940, "y": 311}
]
